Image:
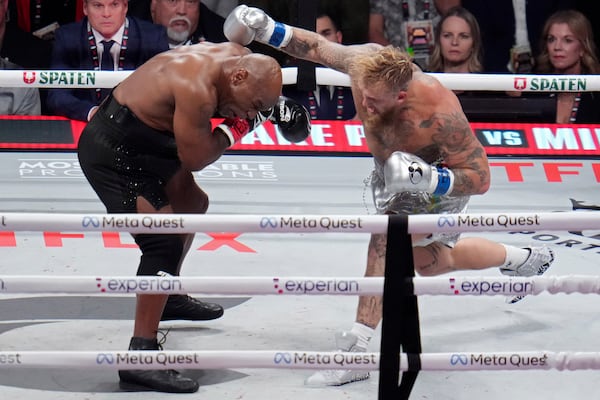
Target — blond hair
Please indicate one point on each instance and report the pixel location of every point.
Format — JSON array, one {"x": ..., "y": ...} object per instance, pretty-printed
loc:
[
  {"x": 388, "y": 65},
  {"x": 583, "y": 31}
]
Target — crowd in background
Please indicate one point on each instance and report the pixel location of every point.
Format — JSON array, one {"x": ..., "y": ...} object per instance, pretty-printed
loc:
[{"x": 468, "y": 36}]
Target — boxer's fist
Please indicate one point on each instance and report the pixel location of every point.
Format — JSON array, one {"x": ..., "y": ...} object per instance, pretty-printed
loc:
[
  {"x": 292, "y": 119},
  {"x": 290, "y": 116},
  {"x": 245, "y": 24},
  {"x": 404, "y": 172},
  {"x": 234, "y": 129}
]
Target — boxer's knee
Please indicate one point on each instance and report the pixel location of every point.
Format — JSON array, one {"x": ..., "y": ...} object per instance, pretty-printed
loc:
[
  {"x": 185, "y": 195},
  {"x": 160, "y": 252},
  {"x": 433, "y": 259}
]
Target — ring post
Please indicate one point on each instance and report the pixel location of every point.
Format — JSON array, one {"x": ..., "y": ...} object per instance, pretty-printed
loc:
[{"x": 400, "y": 323}]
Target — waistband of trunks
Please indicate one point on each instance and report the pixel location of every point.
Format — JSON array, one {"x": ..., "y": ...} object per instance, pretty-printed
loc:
[{"x": 135, "y": 132}]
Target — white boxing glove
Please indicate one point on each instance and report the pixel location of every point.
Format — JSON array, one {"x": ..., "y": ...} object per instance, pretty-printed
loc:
[
  {"x": 245, "y": 24},
  {"x": 404, "y": 172}
]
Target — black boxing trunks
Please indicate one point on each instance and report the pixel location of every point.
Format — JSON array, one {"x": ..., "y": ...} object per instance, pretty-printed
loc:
[{"x": 123, "y": 158}]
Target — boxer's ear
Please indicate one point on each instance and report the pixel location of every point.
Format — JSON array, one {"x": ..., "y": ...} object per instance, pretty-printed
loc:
[{"x": 239, "y": 76}]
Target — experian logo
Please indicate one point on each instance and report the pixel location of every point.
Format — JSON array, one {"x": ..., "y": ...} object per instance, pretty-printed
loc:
[
  {"x": 139, "y": 284},
  {"x": 478, "y": 288},
  {"x": 310, "y": 286}
]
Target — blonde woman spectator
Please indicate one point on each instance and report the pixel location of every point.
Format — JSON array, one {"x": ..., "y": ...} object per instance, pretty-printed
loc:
[
  {"x": 457, "y": 43},
  {"x": 568, "y": 48}
]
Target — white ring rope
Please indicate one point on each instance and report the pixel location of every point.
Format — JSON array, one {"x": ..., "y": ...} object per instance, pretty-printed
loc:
[
  {"x": 324, "y": 76},
  {"x": 294, "y": 359},
  {"x": 297, "y": 223},
  {"x": 264, "y": 285}
]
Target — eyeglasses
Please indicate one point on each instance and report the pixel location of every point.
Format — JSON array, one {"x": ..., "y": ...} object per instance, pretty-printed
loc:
[{"x": 188, "y": 3}]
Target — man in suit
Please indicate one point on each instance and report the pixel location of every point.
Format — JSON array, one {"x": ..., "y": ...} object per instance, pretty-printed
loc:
[
  {"x": 79, "y": 46},
  {"x": 325, "y": 102},
  {"x": 205, "y": 24},
  {"x": 182, "y": 20}
]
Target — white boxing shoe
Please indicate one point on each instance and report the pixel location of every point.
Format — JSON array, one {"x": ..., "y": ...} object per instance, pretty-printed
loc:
[
  {"x": 538, "y": 262},
  {"x": 346, "y": 342}
]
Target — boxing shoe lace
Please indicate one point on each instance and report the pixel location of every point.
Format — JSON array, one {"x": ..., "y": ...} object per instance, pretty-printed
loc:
[{"x": 538, "y": 262}]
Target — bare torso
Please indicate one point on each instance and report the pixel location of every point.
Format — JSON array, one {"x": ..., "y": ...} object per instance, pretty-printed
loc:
[
  {"x": 179, "y": 91},
  {"x": 190, "y": 71},
  {"x": 430, "y": 124}
]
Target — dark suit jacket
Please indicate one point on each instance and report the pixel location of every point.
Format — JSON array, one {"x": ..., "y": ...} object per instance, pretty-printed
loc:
[
  {"x": 24, "y": 49},
  {"x": 589, "y": 108},
  {"x": 210, "y": 25},
  {"x": 320, "y": 113},
  {"x": 72, "y": 52}
]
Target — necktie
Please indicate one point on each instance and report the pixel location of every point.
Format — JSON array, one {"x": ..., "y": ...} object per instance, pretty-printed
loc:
[
  {"x": 107, "y": 63},
  {"x": 324, "y": 102}
]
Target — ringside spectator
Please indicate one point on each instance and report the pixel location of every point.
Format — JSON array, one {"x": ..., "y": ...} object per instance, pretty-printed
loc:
[
  {"x": 407, "y": 24},
  {"x": 81, "y": 46},
  {"x": 510, "y": 31},
  {"x": 326, "y": 102},
  {"x": 13, "y": 51},
  {"x": 209, "y": 25},
  {"x": 568, "y": 47},
  {"x": 18, "y": 100},
  {"x": 43, "y": 17},
  {"x": 457, "y": 45}
]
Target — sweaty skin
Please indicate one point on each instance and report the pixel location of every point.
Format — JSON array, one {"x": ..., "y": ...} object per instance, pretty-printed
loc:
[
  {"x": 181, "y": 90},
  {"x": 430, "y": 122},
  {"x": 426, "y": 120}
]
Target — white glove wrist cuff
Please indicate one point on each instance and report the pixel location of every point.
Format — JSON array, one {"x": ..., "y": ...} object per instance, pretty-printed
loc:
[
  {"x": 227, "y": 131},
  {"x": 281, "y": 35}
]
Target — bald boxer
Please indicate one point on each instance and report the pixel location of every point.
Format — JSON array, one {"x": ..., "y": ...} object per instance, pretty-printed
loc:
[
  {"x": 141, "y": 146},
  {"x": 427, "y": 161}
]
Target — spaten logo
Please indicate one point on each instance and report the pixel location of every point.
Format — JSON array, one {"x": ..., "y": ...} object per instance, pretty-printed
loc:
[{"x": 28, "y": 77}]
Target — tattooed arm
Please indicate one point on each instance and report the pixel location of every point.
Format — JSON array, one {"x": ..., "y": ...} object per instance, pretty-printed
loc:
[
  {"x": 461, "y": 151},
  {"x": 442, "y": 131},
  {"x": 313, "y": 47},
  {"x": 245, "y": 24}
]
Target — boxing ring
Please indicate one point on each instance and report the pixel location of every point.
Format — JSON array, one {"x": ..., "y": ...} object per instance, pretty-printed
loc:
[{"x": 283, "y": 308}]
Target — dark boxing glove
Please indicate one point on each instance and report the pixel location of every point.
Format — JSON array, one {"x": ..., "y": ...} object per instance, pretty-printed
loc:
[
  {"x": 237, "y": 128},
  {"x": 290, "y": 116},
  {"x": 292, "y": 119}
]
